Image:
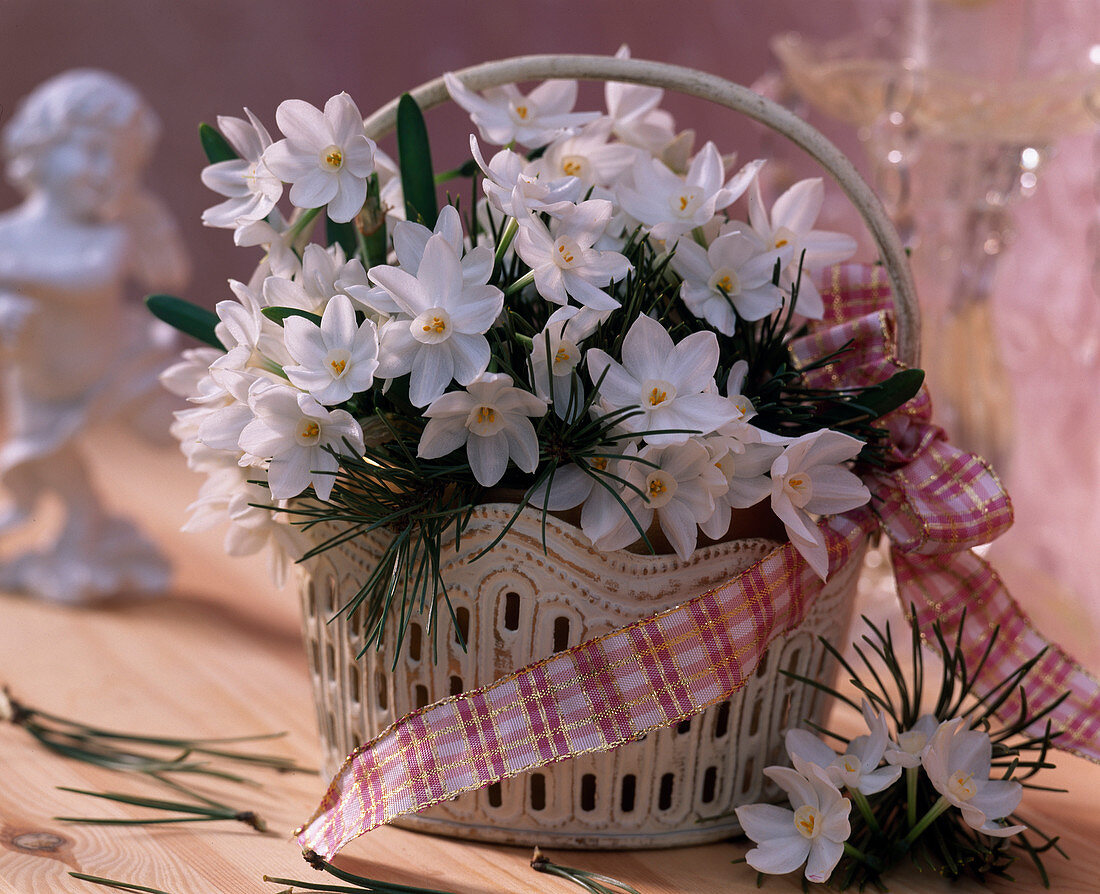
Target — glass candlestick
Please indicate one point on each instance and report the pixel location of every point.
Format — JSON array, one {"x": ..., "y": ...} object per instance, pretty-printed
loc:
[{"x": 957, "y": 104}]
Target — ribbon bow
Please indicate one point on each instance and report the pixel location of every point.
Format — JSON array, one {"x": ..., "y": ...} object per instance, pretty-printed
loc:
[{"x": 934, "y": 505}]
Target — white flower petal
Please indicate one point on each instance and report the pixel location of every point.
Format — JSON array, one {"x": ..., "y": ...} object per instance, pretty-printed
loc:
[
  {"x": 778, "y": 856},
  {"x": 442, "y": 436},
  {"x": 314, "y": 189},
  {"x": 303, "y": 124},
  {"x": 797, "y": 209},
  {"x": 823, "y": 857},
  {"x": 432, "y": 371},
  {"x": 488, "y": 458},
  {"x": 763, "y": 822}
]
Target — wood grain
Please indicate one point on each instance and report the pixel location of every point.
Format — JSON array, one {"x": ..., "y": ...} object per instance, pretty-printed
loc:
[{"x": 221, "y": 655}]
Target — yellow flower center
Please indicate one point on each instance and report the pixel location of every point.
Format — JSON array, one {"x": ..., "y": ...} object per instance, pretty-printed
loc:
[
  {"x": 657, "y": 396},
  {"x": 486, "y": 415},
  {"x": 962, "y": 785},
  {"x": 561, "y": 356},
  {"x": 338, "y": 366},
  {"x": 522, "y": 112},
  {"x": 684, "y": 201},
  {"x": 807, "y": 821},
  {"x": 566, "y": 254},
  {"x": 725, "y": 283},
  {"x": 660, "y": 488},
  {"x": 571, "y": 166},
  {"x": 333, "y": 157},
  {"x": 796, "y": 483},
  {"x": 779, "y": 243},
  {"x": 311, "y": 430},
  {"x": 437, "y": 325},
  {"x": 599, "y": 463}
]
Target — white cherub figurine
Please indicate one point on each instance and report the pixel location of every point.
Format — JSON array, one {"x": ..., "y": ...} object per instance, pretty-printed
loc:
[{"x": 72, "y": 355}]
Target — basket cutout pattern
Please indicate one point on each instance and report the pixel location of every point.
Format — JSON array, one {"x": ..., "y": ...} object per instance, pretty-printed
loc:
[{"x": 517, "y": 605}]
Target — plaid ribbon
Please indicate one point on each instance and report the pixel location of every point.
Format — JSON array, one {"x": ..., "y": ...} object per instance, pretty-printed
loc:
[{"x": 936, "y": 504}]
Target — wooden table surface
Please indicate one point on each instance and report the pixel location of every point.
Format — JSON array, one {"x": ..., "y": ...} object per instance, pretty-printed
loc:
[{"x": 222, "y": 655}]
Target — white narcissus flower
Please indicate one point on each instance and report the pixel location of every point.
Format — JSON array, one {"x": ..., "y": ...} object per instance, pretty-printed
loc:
[
  {"x": 677, "y": 484},
  {"x": 189, "y": 377},
  {"x": 554, "y": 358},
  {"x": 513, "y": 190},
  {"x": 745, "y": 467},
  {"x": 808, "y": 479},
  {"x": 730, "y": 279},
  {"x": 790, "y": 226},
  {"x": 275, "y": 237},
  {"x": 251, "y": 340},
  {"x": 409, "y": 241},
  {"x": 504, "y": 115},
  {"x": 957, "y": 761},
  {"x": 587, "y": 155},
  {"x": 672, "y": 384},
  {"x": 563, "y": 261},
  {"x": 913, "y": 743},
  {"x": 575, "y": 483},
  {"x": 336, "y": 359},
  {"x": 493, "y": 419},
  {"x": 635, "y": 118},
  {"x": 441, "y": 335},
  {"x": 229, "y": 495},
  {"x": 671, "y": 205},
  {"x": 813, "y": 833},
  {"x": 296, "y": 434},
  {"x": 325, "y": 156},
  {"x": 221, "y": 426},
  {"x": 858, "y": 768},
  {"x": 324, "y": 272},
  {"x": 251, "y": 188}
]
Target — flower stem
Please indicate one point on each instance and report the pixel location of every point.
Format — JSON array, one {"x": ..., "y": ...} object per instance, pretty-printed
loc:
[
  {"x": 925, "y": 821},
  {"x": 521, "y": 283},
  {"x": 866, "y": 859},
  {"x": 911, "y": 795},
  {"x": 299, "y": 226},
  {"x": 505, "y": 240},
  {"x": 864, "y": 806},
  {"x": 699, "y": 236}
]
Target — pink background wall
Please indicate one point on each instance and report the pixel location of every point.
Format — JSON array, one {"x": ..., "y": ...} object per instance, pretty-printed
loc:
[{"x": 195, "y": 59}]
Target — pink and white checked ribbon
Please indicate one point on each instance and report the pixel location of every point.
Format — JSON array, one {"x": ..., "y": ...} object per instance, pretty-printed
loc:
[{"x": 935, "y": 505}]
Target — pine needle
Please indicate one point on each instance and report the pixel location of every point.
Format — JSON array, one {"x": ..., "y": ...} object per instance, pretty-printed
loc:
[{"x": 593, "y": 882}]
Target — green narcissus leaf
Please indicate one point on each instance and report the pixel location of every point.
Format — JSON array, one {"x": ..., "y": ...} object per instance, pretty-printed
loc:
[
  {"x": 188, "y": 318},
  {"x": 342, "y": 234},
  {"x": 415, "y": 160},
  {"x": 215, "y": 145},
  {"x": 889, "y": 395},
  {"x": 373, "y": 217},
  {"x": 279, "y": 314}
]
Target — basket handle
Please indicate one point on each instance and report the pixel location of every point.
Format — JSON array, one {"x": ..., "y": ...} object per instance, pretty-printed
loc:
[{"x": 724, "y": 93}]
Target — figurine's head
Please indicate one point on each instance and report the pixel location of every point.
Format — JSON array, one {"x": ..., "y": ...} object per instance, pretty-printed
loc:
[{"x": 83, "y": 137}]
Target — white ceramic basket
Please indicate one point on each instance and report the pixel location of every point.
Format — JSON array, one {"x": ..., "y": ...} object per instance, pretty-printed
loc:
[{"x": 518, "y": 604}]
